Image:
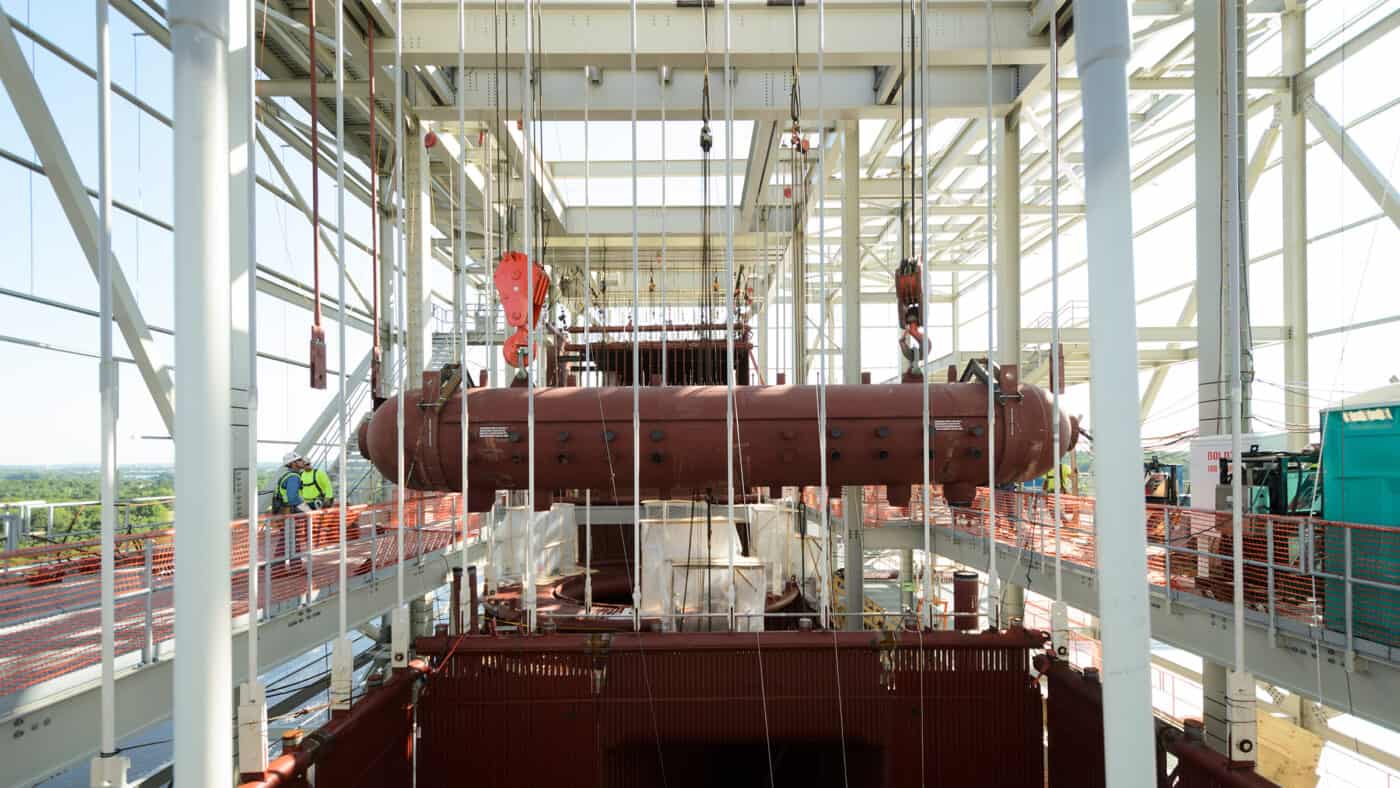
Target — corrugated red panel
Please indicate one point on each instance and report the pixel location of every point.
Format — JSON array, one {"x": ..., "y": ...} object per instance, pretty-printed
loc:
[
  {"x": 1073, "y": 727},
  {"x": 806, "y": 708}
]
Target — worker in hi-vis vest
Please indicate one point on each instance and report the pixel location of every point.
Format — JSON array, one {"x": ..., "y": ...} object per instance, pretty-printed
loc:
[
  {"x": 1066, "y": 473},
  {"x": 316, "y": 487},
  {"x": 288, "y": 497}
]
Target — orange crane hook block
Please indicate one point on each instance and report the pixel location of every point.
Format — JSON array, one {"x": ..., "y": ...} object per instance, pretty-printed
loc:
[{"x": 512, "y": 277}]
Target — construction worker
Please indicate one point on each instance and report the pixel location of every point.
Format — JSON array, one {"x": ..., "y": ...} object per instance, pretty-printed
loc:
[
  {"x": 1066, "y": 472},
  {"x": 288, "y": 497},
  {"x": 316, "y": 487}
]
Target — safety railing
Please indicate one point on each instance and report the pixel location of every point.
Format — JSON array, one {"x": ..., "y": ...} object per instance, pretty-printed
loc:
[
  {"x": 50, "y": 595},
  {"x": 1342, "y": 579},
  {"x": 67, "y": 521}
]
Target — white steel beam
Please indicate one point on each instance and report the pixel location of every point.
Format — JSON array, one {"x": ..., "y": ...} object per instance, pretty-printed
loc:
[
  {"x": 597, "y": 34},
  {"x": 1356, "y": 161},
  {"x": 43, "y": 133},
  {"x": 1076, "y": 335},
  {"x": 759, "y": 94},
  {"x": 1102, "y": 54}
]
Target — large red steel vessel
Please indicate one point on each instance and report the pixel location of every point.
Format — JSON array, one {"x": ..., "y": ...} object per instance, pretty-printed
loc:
[{"x": 583, "y": 438}]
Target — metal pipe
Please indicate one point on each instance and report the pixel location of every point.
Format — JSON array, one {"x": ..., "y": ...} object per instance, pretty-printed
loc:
[
  {"x": 1103, "y": 46},
  {"x": 924, "y": 313},
  {"x": 729, "y": 286},
  {"x": 107, "y": 386},
  {"x": 1059, "y": 613},
  {"x": 993, "y": 609},
  {"x": 461, "y": 242},
  {"x": 1233, "y": 241},
  {"x": 636, "y": 348},
  {"x": 400, "y": 353},
  {"x": 527, "y": 164},
  {"x": 665, "y": 304},
  {"x": 342, "y": 665},
  {"x": 1295, "y": 234},
  {"x": 800, "y": 320},
  {"x": 203, "y": 705},
  {"x": 587, "y": 330}
]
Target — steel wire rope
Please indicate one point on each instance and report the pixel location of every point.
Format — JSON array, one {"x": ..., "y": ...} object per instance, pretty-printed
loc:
[
  {"x": 730, "y": 286},
  {"x": 665, "y": 304},
  {"x": 763, "y": 694},
  {"x": 588, "y": 336},
  {"x": 993, "y": 608},
  {"x": 340, "y": 694},
  {"x": 821, "y": 309},
  {"x": 923, "y": 382},
  {"x": 460, "y": 241},
  {"x": 401, "y": 355},
  {"x": 1055, "y": 347},
  {"x": 636, "y": 348},
  {"x": 528, "y": 590}
]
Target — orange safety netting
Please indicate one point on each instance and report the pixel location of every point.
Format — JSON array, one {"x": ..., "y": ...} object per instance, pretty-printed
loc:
[{"x": 50, "y": 596}]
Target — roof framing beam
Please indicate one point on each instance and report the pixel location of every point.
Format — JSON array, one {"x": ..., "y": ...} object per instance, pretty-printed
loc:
[
  {"x": 858, "y": 33},
  {"x": 759, "y": 94}
]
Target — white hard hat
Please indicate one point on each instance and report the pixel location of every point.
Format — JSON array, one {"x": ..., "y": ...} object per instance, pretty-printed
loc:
[{"x": 291, "y": 457}]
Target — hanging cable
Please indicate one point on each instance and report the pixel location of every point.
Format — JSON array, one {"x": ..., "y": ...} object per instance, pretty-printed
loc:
[
  {"x": 636, "y": 348},
  {"x": 317, "y": 363},
  {"x": 376, "y": 358},
  {"x": 587, "y": 335},
  {"x": 730, "y": 285},
  {"x": 400, "y": 657},
  {"x": 460, "y": 242},
  {"x": 665, "y": 306},
  {"x": 923, "y": 312},
  {"x": 821, "y": 308},
  {"x": 342, "y": 675},
  {"x": 107, "y": 386},
  {"x": 1058, "y": 614},
  {"x": 993, "y": 613},
  {"x": 526, "y": 122}
]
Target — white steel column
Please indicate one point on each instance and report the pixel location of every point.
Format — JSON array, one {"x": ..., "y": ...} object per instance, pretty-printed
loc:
[
  {"x": 1008, "y": 318},
  {"x": 108, "y": 768},
  {"x": 399, "y": 626},
  {"x": 203, "y": 707},
  {"x": 252, "y": 696},
  {"x": 852, "y": 500},
  {"x": 1008, "y": 206},
  {"x": 1295, "y": 234},
  {"x": 1103, "y": 46},
  {"x": 418, "y": 262},
  {"x": 1210, "y": 283}
]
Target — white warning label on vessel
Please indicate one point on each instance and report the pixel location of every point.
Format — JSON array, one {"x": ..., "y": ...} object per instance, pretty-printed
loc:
[
  {"x": 947, "y": 425},
  {"x": 493, "y": 431}
]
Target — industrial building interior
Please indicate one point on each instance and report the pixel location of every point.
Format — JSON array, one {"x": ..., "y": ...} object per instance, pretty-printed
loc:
[{"x": 1047, "y": 459}]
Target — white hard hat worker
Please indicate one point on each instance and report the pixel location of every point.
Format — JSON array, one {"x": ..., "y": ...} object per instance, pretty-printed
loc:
[{"x": 288, "y": 496}]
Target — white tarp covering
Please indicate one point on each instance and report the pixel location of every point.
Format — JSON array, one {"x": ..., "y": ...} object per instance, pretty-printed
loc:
[
  {"x": 784, "y": 552},
  {"x": 680, "y": 541},
  {"x": 703, "y": 587},
  {"x": 555, "y": 534}
]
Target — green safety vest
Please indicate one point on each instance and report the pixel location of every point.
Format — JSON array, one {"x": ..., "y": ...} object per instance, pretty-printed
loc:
[
  {"x": 1050, "y": 481},
  {"x": 316, "y": 485}
]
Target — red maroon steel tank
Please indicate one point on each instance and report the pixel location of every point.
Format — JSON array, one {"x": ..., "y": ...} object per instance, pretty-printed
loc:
[{"x": 583, "y": 439}]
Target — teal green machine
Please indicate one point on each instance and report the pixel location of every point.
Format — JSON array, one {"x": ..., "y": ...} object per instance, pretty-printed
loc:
[{"x": 1361, "y": 484}]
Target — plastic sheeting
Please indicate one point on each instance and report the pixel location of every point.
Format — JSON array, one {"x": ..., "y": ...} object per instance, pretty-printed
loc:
[
  {"x": 555, "y": 541},
  {"x": 786, "y": 553},
  {"x": 702, "y": 587},
  {"x": 679, "y": 541}
]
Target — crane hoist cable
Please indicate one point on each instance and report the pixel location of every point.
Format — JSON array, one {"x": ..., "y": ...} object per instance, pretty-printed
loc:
[
  {"x": 317, "y": 362},
  {"x": 376, "y": 351}
]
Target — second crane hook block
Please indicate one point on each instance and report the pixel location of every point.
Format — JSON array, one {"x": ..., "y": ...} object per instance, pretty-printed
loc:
[{"x": 513, "y": 273}]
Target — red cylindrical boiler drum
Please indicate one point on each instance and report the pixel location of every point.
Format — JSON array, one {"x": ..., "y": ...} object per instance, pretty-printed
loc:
[{"x": 583, "y": 439}]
